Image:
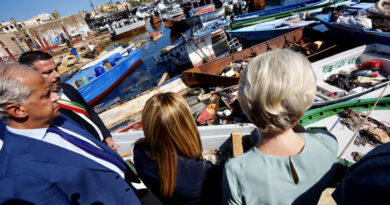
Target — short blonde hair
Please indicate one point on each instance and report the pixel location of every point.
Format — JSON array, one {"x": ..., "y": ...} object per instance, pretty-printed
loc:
[{"x": 276, "y": 89}]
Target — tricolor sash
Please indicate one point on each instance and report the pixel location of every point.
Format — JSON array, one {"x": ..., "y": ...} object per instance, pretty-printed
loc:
[{"x": 74, "y": 106}]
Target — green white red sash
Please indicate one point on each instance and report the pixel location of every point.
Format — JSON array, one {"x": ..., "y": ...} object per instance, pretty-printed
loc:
[{"x": 74, "y": 106}]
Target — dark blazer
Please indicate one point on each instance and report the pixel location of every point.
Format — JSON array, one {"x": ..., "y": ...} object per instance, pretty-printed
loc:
[
  {"x": 75, "y": 96},
  {"x": 2, "y": 128},
  {"x": 42, "y": 173},
  {"x": 367, "y": 181},
  {"x": 197, "y": 182}
]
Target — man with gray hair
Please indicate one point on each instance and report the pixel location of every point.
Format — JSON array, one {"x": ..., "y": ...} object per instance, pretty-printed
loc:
[
  {"x": 72, "y": 103},
  {"x": 47, "y": 158}
]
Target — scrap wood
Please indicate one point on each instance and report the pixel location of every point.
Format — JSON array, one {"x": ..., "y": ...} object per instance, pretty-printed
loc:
[
  {"x": 126, "y": 154},
  {"x": 237, "y": 144}
]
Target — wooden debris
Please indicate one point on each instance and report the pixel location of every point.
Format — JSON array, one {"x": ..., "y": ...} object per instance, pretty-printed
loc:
[
  {"x": 126, "y": 154},
  {"x": 237, "y": 144},
  {"x": 377, "y": 134}
]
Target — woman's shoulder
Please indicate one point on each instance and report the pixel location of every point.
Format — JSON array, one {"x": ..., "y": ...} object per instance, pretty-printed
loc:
[
  {"x": 321, "y": 140},
  {"x": 237, "y": 163}
]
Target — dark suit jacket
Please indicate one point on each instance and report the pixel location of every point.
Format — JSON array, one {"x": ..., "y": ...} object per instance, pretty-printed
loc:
[
  {"x": 75, "y": 96},
  {"x": 367, "y": 181},
  {"x": 42, "y": 173}
]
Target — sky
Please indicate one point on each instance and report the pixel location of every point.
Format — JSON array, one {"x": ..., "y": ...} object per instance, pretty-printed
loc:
[{"x": 26, "y": 9}]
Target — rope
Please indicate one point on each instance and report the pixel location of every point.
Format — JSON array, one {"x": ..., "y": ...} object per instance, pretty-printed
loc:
[{"x": 361, "y": 124}]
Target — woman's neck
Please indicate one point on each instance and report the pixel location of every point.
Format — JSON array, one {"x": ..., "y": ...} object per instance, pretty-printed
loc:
[{"x": 284, "y": 144}]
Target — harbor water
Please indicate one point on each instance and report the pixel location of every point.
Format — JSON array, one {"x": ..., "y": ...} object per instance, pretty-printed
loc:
[{"x": 148, "y": 74}]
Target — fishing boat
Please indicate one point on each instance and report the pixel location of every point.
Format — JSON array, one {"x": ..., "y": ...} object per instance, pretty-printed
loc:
[
  {"x": 211, "y": 17},
  {"x": 269, "y": 16},
  {"x": 97, "y": 81},
  {"x": 192, "y": 52},
  {"x": 264, "y": 31},
  {"x": 212, "y": 28},
  {"x": 229, "y": 5},
  {"x": 196, "y": 9},
  {"x": 375, "y": 34},
  {"x": 347, "y": 63},
  {"x": 154, "y": 20},
  {"x": 218, "y": 35},
  {"x": 206, "y": 74},
  {"x": 339, "y": 69},
  {"x": 279, "y": 9},
  {"x": 125, "y": 27},
  {"x": 155, "y": 35},
  {"x": 339, "y": 120},
  {"x": 173, "y": 16}
]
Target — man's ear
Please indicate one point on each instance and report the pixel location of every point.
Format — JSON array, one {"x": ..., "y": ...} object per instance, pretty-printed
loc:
[{"x": 16, "y": 110}]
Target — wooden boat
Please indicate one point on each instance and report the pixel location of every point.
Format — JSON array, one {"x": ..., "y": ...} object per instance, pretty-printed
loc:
[
  {"x": 192, "y": 52},
  {"x": 279, "y": 9},
  {"x": 265, "y": 17},
  {"x": 264, "y": 31},
  {"x": 124, "y": 28},
  {"x": 94, "y": 83},
  {"x": 198, "y": 8},
  {"x": 328, "y": 117},
  {"x": 154, "y": 20},
  {"x": 155, "y": 35},
  {"x": 206, "y": 74},
  {"x": 346, "y": 62},
  {"x": 169, "y": 22},
  {"x": 212, "y": 28},
  {"x": 128, "y": 115},
  {"x": 212, "y": 16},
  {"x": 359, "y": 35},
  {"x": 218, "y": 36}
]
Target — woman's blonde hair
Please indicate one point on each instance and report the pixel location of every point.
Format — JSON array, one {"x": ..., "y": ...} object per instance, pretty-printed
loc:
[
  {"x": 169, "y": 131},
  {"x": 276, "y": 89}
]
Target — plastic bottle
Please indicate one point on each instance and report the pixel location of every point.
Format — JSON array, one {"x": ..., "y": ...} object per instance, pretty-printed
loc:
[
  {"x": 367, "y": 73},
  {"x": 85, "y": 79}
]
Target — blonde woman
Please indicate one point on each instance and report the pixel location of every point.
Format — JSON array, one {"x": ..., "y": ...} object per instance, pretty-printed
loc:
[
  {"x": 285, "y": 167},
  {"x": 169, "y": 159}
]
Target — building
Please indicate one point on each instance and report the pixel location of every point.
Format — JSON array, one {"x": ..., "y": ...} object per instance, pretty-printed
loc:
[
  {"x": 14, "y": 44},
  {"x": 55, "y": 31}
]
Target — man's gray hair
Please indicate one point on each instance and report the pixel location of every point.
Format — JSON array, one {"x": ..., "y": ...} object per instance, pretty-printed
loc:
[{"x": 11, "y": 89}]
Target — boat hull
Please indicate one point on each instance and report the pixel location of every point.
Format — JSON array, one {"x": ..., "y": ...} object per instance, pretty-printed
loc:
[
  {"x": 169, "y": 22},
  {"x": 254, "y": 15},
  {"x": 365, "y": 37},
  {"x": 102, "y": 85},
  {"x": 206, "y": 74},
  {"x": 116, "y": 36},
  {"x": 258, "y": 33},
  {"x": 155, "y": 20}
]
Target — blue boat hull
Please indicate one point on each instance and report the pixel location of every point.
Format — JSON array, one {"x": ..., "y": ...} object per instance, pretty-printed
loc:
[
  {"x": 260, "y": 36},
  {"x": 99, "y": 87},
  {"x": 360, "y": 36}
]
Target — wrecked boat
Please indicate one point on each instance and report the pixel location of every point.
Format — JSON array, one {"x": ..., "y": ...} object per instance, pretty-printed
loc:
[{"x": 97, "y": 81}]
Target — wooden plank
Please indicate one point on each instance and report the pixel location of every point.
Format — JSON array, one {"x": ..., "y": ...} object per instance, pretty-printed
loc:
[{"x": 237, "y": 144}]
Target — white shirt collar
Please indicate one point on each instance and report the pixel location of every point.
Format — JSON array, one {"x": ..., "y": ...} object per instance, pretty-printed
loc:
[{"x": 38, "y": 133}]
